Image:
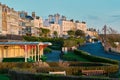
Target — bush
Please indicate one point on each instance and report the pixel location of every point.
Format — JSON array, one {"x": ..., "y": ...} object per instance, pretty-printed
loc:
[
  {"x": 16, "y": 75},
  {"x": 47, "y": 50},
  {"x": 13, "y": 60},
  {"x": 4, "y": 67},
  {"x": 94, "y": 58}
]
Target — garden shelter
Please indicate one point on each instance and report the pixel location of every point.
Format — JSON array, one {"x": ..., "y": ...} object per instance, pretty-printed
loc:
[{"x": 22, "y": 49}]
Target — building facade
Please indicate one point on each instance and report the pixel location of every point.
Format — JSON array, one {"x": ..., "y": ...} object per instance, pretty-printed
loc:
[{"x": 20, "y": 23}]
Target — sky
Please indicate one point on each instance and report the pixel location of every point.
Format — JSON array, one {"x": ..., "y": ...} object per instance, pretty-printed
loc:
[{"x": 96, "y": 13}]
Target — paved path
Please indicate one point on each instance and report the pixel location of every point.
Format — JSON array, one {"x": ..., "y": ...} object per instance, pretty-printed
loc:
[
  {"x": 97, "y": 50},
  {"x": 54, "y": 56}
]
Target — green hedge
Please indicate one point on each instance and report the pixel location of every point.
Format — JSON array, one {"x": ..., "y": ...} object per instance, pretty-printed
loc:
[
  {"x": 4, "y": 77},
  {"x": 47, "y": 50},
  {"x": 77, "y": 69},
  {"x": 5, "y": 66},
  {"x": 13, "y": 60},
  {"x": 15, "y": 75},
  {"x": 94, "y": 58}
]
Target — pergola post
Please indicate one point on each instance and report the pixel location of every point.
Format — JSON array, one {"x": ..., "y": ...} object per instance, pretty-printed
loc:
[
  {"x": 32, "y": 52},
  {"x": 38, "y": 52},
  {"x": 2, "y": 53},
  {"x": 1, "y": 48},
  {"x": 41, "y": 51},
  {"x": 25, "y": 53},
  {"x": 35, "y": 54}
]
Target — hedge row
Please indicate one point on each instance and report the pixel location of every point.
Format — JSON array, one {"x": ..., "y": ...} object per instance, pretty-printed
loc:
[
  {"x": 13, "y": 60},
  {"x": 78, "y": 63},
  {"x": 29, "y": 76},
  {"x": 77, "y": 70},
  {"x": 94, "y": 58},
  {"x": 4, "y": 67},
  {"x": 70, "y": 70}
]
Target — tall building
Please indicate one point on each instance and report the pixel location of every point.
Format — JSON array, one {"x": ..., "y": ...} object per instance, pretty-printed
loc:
[
  {"x": 12, "y": 22},
  {"x": 37, "y": 24},
  {"x": 56, "y": 18},
  {"x": 8, "y": 20},
  {"x": 0, "y": 18},
  {"x": 22, "y": 22},
  {"x": 64, "y": 24},
  {"x": 81, "y": 26}
]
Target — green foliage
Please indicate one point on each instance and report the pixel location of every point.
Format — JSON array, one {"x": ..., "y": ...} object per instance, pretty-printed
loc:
[
  {"x": 30, "y": 60},
  {"x": 73, "y": 57},
  {"x": 26, "y": 71},
  {"x": 47, "y": 50},
  {"x": 71, "y": 33},
  {"x": 5, "y": 66},
  {"x": 69, "y": 43},
  {"x": 73, "y": 42},
  {"x": 43, "y": 58},
  {"x": 55, "y": 33},
  {"x": 94, "y": 58},
  {"x": 79, "y": 33},
  {"x": 42, "y": 76},
  {"x": 45, "y": 32},
  {"x": 13, "y": 60},
  {"x": 4, "y": 77},
  {"x": 30, "y": 38}
]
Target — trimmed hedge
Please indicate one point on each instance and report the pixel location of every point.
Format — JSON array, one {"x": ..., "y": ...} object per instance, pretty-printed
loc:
[
  {"x": 4, "y": 77},
  {"x": 13, "y": 60},
  {"x": 47, "y": 50},
  {"x": 94, "y": 58},
  {"x": 72, "y": 69},
  {"x": 15, "y": 75},
  {"x": 4, "y": 67},
  {"x": 77, "y": 69}
]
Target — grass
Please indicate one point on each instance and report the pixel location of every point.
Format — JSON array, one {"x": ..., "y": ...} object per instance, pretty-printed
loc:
[
  {"x": 73, "y": 57},
  {"x": 4, "y": 77}
]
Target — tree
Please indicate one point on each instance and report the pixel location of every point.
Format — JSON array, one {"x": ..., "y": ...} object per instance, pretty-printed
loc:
[
  {"x": 71, "y": 33},
  {"x": 79, "y": 33},
  {"x": 69, "y": 43},
  {"x": 45, "y": 32},
  {"x": 55, "y": 33}
]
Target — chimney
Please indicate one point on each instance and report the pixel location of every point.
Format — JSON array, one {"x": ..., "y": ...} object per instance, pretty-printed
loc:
[{"x": 33, "y": 14}]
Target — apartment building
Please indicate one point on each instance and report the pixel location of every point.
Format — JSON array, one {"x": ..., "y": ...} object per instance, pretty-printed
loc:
[
  {"x": 20, "y": 23},
  {"x": 8, "y": 20},
  {"x": 66, "y": 26},
  {"x": 61, "y": 25}
]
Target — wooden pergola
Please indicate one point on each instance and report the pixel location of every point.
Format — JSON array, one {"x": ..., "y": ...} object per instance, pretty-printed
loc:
[{"x": 32, "y": 49}]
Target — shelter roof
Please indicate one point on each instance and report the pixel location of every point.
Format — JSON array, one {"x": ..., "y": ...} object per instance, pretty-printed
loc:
[{"x": 25, "y": 43}]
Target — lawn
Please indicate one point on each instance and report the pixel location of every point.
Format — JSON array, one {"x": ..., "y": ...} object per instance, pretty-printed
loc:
[
  {"x": 4, "y": 77},
  {"x": 73, "y": 57}
]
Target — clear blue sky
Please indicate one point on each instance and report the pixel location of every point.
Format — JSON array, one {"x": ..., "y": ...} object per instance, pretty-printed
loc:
[{"x": 96, "y": 13}]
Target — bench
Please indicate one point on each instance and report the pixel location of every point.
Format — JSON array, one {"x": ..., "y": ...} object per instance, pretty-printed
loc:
[
  {"x": 58, "y": 72},
  {"x": 92, "y": 72}
]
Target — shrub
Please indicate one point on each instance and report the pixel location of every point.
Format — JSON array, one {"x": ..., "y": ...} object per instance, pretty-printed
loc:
[
  {"x": 47, "y": 50},
  {"x": 18, "y": 75},
  {"x": 94, "y": 58},
  {"x": 4, "y": 67},
  {"x": 13, "y": 60}
]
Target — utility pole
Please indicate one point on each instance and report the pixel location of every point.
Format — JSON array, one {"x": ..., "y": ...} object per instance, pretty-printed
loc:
[{"x": 105, "y": 34}]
